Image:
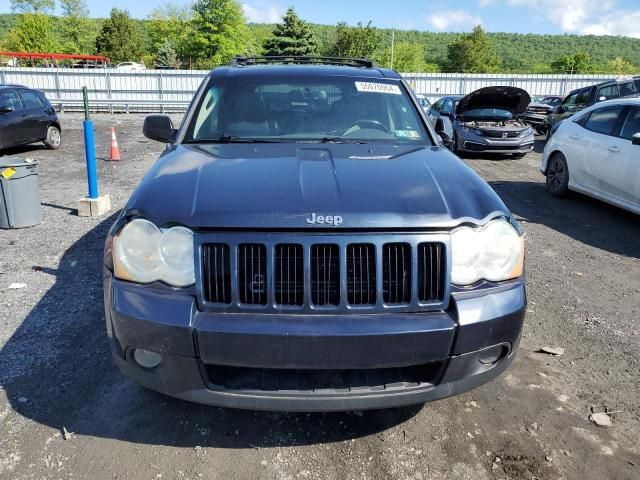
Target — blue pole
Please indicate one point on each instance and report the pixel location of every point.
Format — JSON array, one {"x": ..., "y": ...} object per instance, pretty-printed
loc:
[
  {"x": 90, "y": 154},
  {"x": 89, "y": 148}
]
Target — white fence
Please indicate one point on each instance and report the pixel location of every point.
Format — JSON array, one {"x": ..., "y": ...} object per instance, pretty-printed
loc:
[{"x": 155, "y": 90}]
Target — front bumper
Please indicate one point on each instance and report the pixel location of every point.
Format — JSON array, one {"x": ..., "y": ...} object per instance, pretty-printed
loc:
[
  {"x": 468, "y": 345},
  {"x": 469, "y": 142}
]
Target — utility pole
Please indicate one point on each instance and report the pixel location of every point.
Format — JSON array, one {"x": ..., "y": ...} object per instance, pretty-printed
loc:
[{"x": 393, "y": 41}]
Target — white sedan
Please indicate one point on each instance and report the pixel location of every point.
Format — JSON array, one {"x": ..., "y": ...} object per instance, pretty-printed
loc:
[
  {"x": 130, "y": 67},
  {"x": 597, "y": 152}
]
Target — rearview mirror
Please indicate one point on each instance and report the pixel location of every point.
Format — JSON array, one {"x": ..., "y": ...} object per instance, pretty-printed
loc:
[
  {"x": 159, "y": 128},
  {"x": 635, "y": 140},
  {"x": 6, "y": 108}
]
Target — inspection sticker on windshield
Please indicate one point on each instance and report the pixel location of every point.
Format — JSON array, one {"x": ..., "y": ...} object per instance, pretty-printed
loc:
[
  {"x": 406, "y": 134},
  {"x": 8, "y": 173},
  {"x": 378, "y": 88}
]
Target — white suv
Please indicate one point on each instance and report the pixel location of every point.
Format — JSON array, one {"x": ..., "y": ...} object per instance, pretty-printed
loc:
[{"x": 130, "y": 66}]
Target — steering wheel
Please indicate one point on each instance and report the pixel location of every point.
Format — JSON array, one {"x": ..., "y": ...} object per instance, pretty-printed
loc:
[{"x": 367, "y": 123}]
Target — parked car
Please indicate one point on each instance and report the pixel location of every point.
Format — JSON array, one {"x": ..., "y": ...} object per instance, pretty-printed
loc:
[
  {"x": 424, "y": 102},
  {"x": 597, "y": 152},
  {"x": 26, "y": 116},
  {"x": 487, "y": 120},
  {"x": 90, "y": 64},
  {"x": 582, "y": 98},
  {"x": 538, "y": 111},
  {"x": 130, "y": 67},
  {"x": 306, "y": 242}
]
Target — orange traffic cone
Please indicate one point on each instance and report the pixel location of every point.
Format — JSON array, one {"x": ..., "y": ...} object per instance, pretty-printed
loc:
[{"x": 115, "y": 149}]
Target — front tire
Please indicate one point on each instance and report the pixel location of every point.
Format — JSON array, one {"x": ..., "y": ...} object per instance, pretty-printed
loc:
[
  {"x": 54, "y": 138},
  {"x": 558, "y": 175}
]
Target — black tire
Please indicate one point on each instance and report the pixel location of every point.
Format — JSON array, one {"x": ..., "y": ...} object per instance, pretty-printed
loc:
[
  {"x": 558, "y": 175},
  {"x": 54, "y": 138}
]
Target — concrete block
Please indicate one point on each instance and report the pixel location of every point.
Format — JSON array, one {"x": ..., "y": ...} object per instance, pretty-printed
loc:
[{"x": 94, "y": 207}]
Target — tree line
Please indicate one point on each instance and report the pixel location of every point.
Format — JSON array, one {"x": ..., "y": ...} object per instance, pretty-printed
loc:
[{"x": 208, "y": 33}]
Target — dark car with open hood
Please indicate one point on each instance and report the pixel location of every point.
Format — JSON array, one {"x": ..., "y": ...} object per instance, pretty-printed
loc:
[
  {"x": 488, "y": 120},
  {"x": 307, "y": 243}
]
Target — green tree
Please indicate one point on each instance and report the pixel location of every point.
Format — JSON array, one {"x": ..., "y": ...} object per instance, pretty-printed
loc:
[
  {"x": 171, "y": 22},
  {"x": 620, "y": 66},
  {"x": 579, "y": 62},
  {"x": 120, "y": 38},
  {"x": 408, "y": 57},
  {"x": 357, "y": 42},
  {"x": 33, "y": 32},
  {"x": 78, "y": 33},
  {"x": 220, "y": 32},
  {"x": 33, "y": 6},
  {"x": 473, "y": 53},
  {"x": 291, "y": 37},
  {"x": 166, "y": 56}
]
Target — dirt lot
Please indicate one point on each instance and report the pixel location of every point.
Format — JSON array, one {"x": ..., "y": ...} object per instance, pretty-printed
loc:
[{"x": 56, "y": 373}]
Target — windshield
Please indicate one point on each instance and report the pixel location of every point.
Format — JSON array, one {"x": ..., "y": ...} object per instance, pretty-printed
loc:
[
  {"x": 553, "y": 101},
  {"x": 306, "y": 109},
  {"x": 487, "y": 114}
]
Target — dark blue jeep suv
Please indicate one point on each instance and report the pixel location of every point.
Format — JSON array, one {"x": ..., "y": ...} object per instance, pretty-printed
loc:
[{"x": 307, "y": 243}]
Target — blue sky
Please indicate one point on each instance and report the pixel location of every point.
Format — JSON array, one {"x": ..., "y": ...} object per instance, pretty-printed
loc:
[{"x": 600, "y": 17}]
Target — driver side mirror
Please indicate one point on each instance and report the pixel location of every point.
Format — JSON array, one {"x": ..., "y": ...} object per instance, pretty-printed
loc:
[
  {"x": 159, "y": 128},
  {"x": 445, "y": 130},
  {"x": 445, "y": 113},
  {"x": 6, "y": 108},
  {"x": 635, "y": 140}
]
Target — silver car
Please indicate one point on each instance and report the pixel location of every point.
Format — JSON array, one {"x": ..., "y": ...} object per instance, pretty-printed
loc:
[{"x": 487, "y": 121}]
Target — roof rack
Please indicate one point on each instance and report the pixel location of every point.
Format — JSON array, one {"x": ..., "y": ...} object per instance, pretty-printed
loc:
[{"x": 302, "y": 60}]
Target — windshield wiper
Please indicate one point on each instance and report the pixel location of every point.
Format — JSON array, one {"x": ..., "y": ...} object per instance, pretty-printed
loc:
[
  {"x": 335, "y": 140},
  {"x": 231, "y": 139}
]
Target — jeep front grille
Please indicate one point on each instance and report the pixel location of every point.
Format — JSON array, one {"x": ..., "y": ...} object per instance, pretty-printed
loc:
[
  {"x": 318, "y": 273},
  {"x": 361, "y": 274},
  {"x": 325, "y": 275},
  {"x": 289, "y": 273},
  {"x": 217, "y": 271},
  {"x": 396, "y": 264},
  {"x": 252, "y": 274}
]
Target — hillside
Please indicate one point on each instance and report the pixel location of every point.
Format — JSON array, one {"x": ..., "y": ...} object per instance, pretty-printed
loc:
[{"x": 520, "y": 52}]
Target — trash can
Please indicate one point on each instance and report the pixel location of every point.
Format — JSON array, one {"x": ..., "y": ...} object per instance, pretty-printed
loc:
[{"x": 19, "y": 193}]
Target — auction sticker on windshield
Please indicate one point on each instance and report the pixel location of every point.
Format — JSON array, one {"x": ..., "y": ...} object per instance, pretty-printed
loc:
[{"x": 378, "y": 88}]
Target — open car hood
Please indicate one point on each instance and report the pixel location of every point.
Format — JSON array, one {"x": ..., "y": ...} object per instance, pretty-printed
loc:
[{"x": 512, "y": 99}]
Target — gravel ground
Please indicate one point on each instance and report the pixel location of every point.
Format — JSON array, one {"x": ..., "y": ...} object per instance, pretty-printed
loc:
[{"x": 66, "y": 412}]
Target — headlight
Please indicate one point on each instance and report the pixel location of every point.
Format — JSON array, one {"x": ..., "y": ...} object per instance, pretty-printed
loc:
[
  {"x": 494, "y": 253},
  {"x": 475, "y": 131},
  {"x": 143, "y": 253},
  {"x": 526, "y": 132}
]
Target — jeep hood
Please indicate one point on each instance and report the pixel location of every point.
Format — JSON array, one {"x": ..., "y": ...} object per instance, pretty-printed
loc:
[
  {"x": 513, "y": 99},
  {"x": 279, "y": 186}
]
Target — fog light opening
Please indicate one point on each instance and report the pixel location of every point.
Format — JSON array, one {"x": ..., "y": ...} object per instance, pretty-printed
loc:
[
  {"x": 146, "y": 359},
  {"x": 493, "y": 355}
]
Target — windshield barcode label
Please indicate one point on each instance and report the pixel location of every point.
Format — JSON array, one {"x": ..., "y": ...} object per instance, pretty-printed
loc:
[{"x": 378, "y": 88}]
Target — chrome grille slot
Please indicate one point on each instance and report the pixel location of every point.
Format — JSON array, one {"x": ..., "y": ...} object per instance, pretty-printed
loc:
[
  {"x": 217, "y": 273},
  {"x": 361, "y": 274},
  {"x": 396, "y": 269},
  {"x": 325, "y": 274},
  {"x": 252, "y": 274},
  {"x": 431, "y": 274},
  {"x": 289, "y": 274}
]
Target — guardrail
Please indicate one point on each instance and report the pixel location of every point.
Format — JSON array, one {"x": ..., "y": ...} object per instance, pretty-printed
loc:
[{"x": 114, "y": 90}]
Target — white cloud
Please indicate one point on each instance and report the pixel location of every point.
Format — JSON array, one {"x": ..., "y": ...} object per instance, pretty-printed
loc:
[
  {"x": 263, "y": 13},
  {"x": 453, "y": 20},
  {"x": 594, "y": 17}
]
